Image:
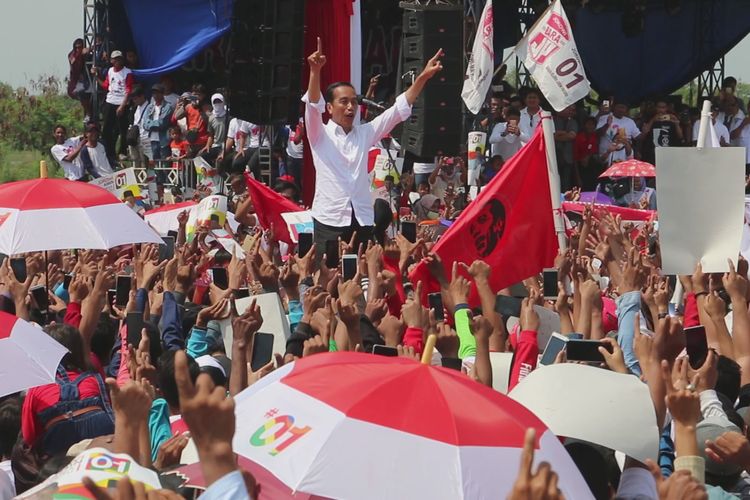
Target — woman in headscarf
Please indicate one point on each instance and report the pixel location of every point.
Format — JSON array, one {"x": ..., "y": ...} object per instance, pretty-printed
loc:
[{"x": 427, "y": 208}]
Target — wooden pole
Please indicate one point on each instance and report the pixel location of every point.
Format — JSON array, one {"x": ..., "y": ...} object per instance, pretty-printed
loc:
[{"x": 43, "y": 174}]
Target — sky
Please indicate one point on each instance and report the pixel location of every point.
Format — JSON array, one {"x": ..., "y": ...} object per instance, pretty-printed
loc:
[{"x": 36, "y": 36}]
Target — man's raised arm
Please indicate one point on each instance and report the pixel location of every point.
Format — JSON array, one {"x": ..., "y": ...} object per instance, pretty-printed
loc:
[
  {"x": 432, "y": 67},
  {"x": 316, "y": 60},
  {"x": 314, "y": 107}
]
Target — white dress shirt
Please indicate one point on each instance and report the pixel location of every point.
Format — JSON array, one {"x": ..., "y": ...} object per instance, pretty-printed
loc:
[
  {"x": 528, "y": 123},
  {"x": 505, "y": 146},
  {"x": 340, "y": 160}
]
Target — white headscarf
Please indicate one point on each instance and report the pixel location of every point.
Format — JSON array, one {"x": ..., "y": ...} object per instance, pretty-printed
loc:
[{"x": 219, "y": 109}]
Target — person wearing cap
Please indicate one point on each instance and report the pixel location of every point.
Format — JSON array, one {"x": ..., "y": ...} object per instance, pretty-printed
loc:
[
  {"x": 189, "y": 107},
  {"x": 118, "y": 84},
  {"x": 157, "y": 122},
  {"x": 722, "y": 133}
]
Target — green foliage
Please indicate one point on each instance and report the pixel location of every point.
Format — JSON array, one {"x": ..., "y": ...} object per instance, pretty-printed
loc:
[{"x": 26, "y": 122}]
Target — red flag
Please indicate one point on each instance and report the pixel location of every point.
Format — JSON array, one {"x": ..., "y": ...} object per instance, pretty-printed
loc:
[
  {"x": 509, "y": 225},
  {"x": 269, "y": 205}
]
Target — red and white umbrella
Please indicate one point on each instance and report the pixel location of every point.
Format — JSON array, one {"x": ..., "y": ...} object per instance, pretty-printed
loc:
[
  {"x": 630, "y": 168},
  {"x": 354, "y": 425},
  {"x": 28, "y": 356},
  {"x": 55, "y": 214}
]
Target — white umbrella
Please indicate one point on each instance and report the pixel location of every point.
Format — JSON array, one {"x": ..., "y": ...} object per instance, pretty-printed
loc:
[{"x": 28, "y": 356}]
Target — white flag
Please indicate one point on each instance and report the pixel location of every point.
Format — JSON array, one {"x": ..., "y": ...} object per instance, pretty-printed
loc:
[
  {"x": 549, "y": 53},
  {"x": 481, "y": 64}
]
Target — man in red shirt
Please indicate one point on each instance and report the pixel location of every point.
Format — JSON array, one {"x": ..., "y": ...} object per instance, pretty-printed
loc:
[
  {"x": 585, "y": 153},
  {"x": 189, "y": 107}
]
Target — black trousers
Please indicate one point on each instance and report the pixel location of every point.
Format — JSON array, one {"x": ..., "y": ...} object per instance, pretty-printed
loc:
[
  {"x": 114, "y": 126},
  {"x": 323, "y": 233}
]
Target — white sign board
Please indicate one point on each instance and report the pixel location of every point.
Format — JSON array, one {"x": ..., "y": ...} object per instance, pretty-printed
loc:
[
  {"x": 275, "y": 321},
  {"x": 701, "y": 197}
]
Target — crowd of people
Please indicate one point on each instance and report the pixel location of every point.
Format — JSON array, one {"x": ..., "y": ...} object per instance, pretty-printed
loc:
[{"x": 177, "y": 383}]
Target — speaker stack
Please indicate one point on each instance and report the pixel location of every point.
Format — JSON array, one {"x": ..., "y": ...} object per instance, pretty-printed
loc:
[
  {"x": 265, "y": 75},
  {"x": 434, "y": 127}
]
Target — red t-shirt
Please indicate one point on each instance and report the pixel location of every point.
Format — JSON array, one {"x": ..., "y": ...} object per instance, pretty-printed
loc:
[
  {"x": 585, "y": 145},
  {"x": 42, "y": 397},
  {"x": 178, "y": 149}
]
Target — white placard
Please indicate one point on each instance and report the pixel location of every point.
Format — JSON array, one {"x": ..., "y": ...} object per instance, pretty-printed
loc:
[
  {"x": 701, "y": 196},
  {"x": 298, "y": 222},
  {"x": 275, "y": 321}
]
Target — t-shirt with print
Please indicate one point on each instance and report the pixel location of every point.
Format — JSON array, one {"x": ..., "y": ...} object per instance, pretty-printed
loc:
[
  {"x": 73, "y": 169},
  {"x": 631, "y": 130},
  {"x": 238, "y": 129},
  {"x": 118, "y": 84},
  {"x": 178, "y": 149},
  {"x": 663, "y": 135}
]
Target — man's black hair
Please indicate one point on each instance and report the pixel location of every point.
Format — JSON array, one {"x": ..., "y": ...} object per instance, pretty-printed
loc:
[
  {"x": 10, "y": 424},
  {"x": 497, "y": 95},
  {"x": 60, "y": 125},
  {"x": 729, "y": 81},
  {"x": 512, "y": 111},
  {"x": 167, "y": 382},
  {"x": 334, "y": 86}
]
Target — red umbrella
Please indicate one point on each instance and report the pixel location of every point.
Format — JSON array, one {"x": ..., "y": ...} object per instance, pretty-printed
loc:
[
  {"x": 353, "y": 425},
  {"x": 54, "y": 214},
  {"x": 630, "y": 168}
]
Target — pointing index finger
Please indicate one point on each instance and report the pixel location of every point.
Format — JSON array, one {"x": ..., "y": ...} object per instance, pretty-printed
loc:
[{"x": 320, "y": 46}]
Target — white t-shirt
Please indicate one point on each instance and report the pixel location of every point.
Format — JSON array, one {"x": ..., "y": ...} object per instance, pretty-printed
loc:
[
  {"x": 254, "y": 139},
  {"x": 154, "y": 135},
  {"x": 505, "y": 146},
  {"x": 73, "y": 169},
  {"x": 7, "y": 481},
  {"x": 631, "y": 130},
  {"x": 721, "y": 131},
  {"x": 294, "y": 150},
  {"x": 99, "y": 159},
  {"x": 423, "y": 168},
  {"x": 138, "y": 118},
  {"x": 528, "y": 123},
  {"x": 237, "y": 129},
  {"x": 744, "y": 139},
  {"x": 117, "y": 85}
]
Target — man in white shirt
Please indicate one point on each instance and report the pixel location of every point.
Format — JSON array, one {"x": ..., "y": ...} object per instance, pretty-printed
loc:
[
  {"x": 295, "y": 148},
  {"x": 530, "y": 115},
  {"x": 739, "y": 128},
  {"x": 340, "y": 148},
  {"x": 66, "y": 151},
  {"x": 506, "y": 136},
  {"x": 721, "y": 131},
  {"x": 118, "y": 84},
  {"x": 140, "y": 153},
  {"x": 617, "y": 134}
]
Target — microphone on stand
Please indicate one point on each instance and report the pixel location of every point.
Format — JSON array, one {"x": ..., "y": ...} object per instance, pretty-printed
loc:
[{"x": 367, "y": 102}]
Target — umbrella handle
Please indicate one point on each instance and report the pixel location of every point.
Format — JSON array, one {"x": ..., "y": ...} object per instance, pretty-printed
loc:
[{"x": 429, "y": 346}]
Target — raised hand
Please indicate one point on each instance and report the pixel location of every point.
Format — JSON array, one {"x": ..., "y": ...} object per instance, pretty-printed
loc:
[
  {"x": 317, "y": 59},
  {"x": 433, "y": 66},
  {"x": 538, "y": 485}
]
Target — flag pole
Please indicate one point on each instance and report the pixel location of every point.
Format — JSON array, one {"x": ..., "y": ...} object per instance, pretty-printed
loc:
[
  {"x": 554, "y": 178},
  {"x": 705, "y": 123}
]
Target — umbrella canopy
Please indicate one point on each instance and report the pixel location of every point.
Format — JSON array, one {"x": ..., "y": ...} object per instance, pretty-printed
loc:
[
  {"x": 55, "y": 214},
  {"x": 28, "y": 356},
  {"x": 630, "y": 168},
  {"x": 164, "y": 218},
  {"x": 584, "y": 402},
  {"x": 354, "y": 425}
]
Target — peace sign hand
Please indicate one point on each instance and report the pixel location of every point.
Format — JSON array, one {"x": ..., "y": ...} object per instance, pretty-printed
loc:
[{"x": 317, "y": 59}]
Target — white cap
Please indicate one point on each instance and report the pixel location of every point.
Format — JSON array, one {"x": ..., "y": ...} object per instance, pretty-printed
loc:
[{"x": 115, "y": 53}]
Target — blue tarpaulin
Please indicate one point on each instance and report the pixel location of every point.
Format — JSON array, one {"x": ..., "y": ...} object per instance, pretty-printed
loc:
[{"x": 168, "y": 33}]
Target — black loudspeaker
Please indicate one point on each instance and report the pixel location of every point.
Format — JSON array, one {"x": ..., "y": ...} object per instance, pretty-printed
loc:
[
  {"x": 435, "y": 125},
  {"x": 265, "y": 74}
]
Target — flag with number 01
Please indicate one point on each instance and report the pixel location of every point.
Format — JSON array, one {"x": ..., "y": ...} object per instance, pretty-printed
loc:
[{"x": 549, "y": 53}]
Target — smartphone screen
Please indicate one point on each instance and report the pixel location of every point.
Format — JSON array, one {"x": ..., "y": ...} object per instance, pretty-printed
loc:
[
  {"x": 508, "y": 306},
  {"x": 409, "y": 230},
  {"x": 555, "y": 344},
  {"x": 384, "y": 350},
  {"x": 332, "y": 254},
  {"x": 696, "y": 345},
  {"x": 172, "y": 233},
  {"x": 220, "y": 277},
  {"x": 19, "y": 269},
  {"x": 166, "y": 250},
  {"x": 435, "y": 301},
  {"x": 123, "y": 290},
  {"x": 41, "y": 298},
  {"x": 134, "y": 326},
  {"x": 66, "y": 281},
  {"x": 304, "y": 244},
  {"x": 262, "y": 350},
  {"x": 586, "y": 350},
  {"x": 349, "y": 265},
  {"x": 549, "y": 284},
  {"x": 241, "y": 293},
  {"x": 111, "y": 294}
]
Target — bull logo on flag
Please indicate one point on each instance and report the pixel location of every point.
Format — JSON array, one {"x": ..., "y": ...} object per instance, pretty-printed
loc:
[
  {"x": 488, "y": 228},
  {"x": 549, "y": 39}
]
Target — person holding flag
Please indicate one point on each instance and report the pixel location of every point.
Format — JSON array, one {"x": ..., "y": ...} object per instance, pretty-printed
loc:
[{"x": 342, "y": 203}]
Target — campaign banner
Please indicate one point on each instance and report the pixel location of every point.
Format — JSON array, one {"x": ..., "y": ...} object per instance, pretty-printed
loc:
[
  {"x": 211, "y": 211},
  {"x": 298, "y": 222},
  {"x": 384, "y": 166},
  {"x": 476, "y": 147},
  {"x": 120, "y": 182},
  {"x": 481, "y": 63},
  {"x": 549, "y": 53}
]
